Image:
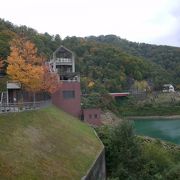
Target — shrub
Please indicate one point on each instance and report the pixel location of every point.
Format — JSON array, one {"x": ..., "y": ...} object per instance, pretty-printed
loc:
[
  {"x": 129, "y": 157},
  {"x": 173, "y": 173},
  {"x": 123, "y": 152}
]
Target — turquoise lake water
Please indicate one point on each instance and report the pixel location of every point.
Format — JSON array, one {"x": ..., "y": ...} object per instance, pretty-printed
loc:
[{"x": 168, "y": 130}]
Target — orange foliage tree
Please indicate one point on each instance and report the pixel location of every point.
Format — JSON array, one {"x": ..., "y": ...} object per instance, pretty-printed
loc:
[
  {"x": 50, "y": 81},
  {"x": 26, "y": 67}
]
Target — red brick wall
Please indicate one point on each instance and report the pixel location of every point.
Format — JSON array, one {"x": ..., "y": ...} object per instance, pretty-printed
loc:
[
  {"x": 92, "y": 116},
  {"x": 71, "y": 106}
]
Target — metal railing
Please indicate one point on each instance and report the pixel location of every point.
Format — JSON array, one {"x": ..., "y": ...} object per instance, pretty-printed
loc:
[
  {"x": 63, "y": 60},
  {"x": 24, "y": 106}
]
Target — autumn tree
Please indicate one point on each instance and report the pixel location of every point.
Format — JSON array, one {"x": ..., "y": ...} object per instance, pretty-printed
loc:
[
  {"x": 28, "y": 68},
  {"x": 50, "y": 82},
  {"x": 24, "y": 65}
]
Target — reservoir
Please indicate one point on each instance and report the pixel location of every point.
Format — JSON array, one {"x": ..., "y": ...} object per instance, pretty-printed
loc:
[{"x": 164, "y": 129}]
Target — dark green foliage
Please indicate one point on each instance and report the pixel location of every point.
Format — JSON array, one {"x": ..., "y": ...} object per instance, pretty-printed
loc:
[
  {"x": 132, "y": 158},
  {"x": 5, "y": 38},
  {"x": 122, "y": 151},
  {"x": 157, "y": 160},
  {"x": 91, "y": 101},
  {"x": 173, "y": 173},
  {"x": 3, "y": 81},
  {"x": 124, "y": 143},
  {"x": 111, "y": 68},
  {"x": 96, "y": 100},
  {"x": 166, "y": 56}
]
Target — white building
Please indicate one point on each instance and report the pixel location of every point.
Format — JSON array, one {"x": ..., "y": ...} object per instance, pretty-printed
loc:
[{"x": 168, "y": 88}]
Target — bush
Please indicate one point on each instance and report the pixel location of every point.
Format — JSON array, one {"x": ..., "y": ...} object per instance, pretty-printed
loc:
[
  {"x": 158, "y": 154},
  {"x": 123, "y": 152},
  {"x": 173, "y": 173},
  {"x": 129, "y": 157}
]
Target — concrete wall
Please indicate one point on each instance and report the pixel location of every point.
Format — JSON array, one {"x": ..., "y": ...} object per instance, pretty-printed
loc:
[
  {"x": 72, "y": 105},
  {"x": 98, "y": 169}
]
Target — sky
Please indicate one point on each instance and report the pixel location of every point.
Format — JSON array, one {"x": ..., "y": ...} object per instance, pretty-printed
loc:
[{"x": 149, "y": 21}]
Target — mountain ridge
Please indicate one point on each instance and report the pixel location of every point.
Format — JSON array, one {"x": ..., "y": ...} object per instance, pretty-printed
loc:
[{"x": 112, "y": 63}]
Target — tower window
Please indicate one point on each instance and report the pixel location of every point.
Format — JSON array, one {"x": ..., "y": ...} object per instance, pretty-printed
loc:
[{"x": 69, "y": 94}]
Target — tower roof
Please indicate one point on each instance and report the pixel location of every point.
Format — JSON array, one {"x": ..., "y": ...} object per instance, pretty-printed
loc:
[{"x": 62, "y": 49}]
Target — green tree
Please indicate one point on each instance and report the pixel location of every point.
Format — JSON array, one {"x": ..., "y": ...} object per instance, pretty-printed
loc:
[
  {"x": 141, "y": 86},
  {"x": 123, "y": 152}
]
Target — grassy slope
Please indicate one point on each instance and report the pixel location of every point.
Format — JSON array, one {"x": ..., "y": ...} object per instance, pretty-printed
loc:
[{"x": 45, "y": 144}]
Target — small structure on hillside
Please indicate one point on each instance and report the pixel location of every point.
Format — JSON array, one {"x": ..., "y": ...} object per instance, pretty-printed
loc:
[
  {"x": 68, "y": 97},
  {"x": 13, "y": 92},
  {"x": 168, "y": 88},
  {"x": 92, "y": 116}
]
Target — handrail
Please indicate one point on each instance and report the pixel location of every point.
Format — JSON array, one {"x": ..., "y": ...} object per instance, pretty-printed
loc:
[{"x": 23, "y": 106}]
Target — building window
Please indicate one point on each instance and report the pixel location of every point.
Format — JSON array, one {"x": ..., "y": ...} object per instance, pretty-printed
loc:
[
  {"x": 69, "y": 94},
  {"x": 95, "y": 116},
  {"x": 90, "y": 116}
]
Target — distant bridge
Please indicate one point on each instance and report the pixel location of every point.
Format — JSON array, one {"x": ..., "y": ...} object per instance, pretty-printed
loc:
[{"x": 123, "y": 94}]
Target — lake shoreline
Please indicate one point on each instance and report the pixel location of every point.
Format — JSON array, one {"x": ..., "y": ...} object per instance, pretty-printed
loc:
[
  {"x": 173, "y": 117},
  {"x": 166, "y": 129}
]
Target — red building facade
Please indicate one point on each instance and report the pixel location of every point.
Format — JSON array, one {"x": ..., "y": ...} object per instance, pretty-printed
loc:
[
  {"x": 92, "y": 116},
  {"x": 68, "y": 98}
]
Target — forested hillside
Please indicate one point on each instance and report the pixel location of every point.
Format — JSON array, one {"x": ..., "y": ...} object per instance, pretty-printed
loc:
[
  {"x": 166, "y": 56},
  {"x": 106, "y": 63}
]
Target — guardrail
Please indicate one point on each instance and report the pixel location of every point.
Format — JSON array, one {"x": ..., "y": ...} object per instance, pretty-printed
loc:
[{"x": 24, "y": 106}]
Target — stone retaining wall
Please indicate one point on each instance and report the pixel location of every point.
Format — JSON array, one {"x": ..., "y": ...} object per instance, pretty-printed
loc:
[{"x": 98, "y": 169}]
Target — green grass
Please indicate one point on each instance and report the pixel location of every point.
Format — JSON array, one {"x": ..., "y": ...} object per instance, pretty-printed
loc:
[
  {"x": 164, "y": 104},
  {"x": 150, "y": 111},
  {"x": 45, "y": 144},
  {"x": 165, "y": 99}
]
